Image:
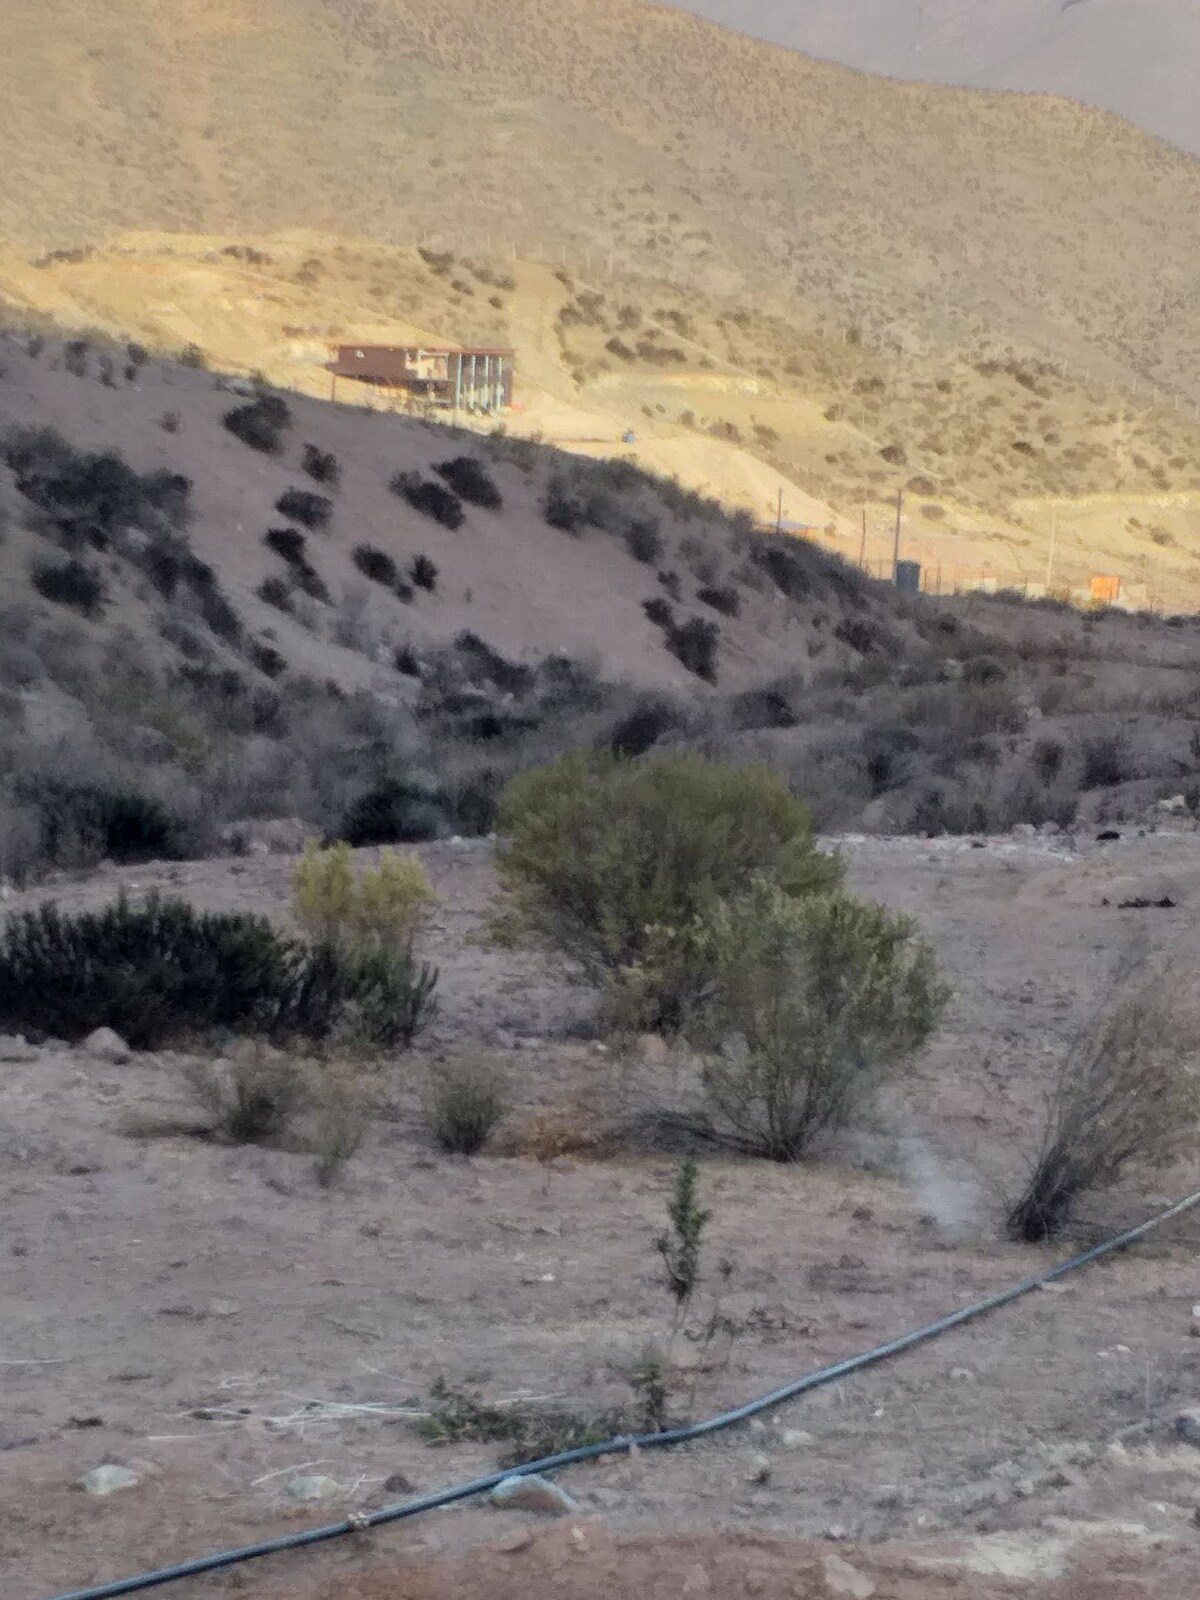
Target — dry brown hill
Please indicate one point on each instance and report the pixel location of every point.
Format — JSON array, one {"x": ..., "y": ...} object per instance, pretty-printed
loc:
[
  {"x": 912, "y": 214},
  {"x": 1134, "y": 57}
]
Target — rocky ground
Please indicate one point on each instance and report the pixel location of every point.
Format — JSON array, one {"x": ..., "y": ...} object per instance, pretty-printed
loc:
[{"x": 238, "y": 1340}]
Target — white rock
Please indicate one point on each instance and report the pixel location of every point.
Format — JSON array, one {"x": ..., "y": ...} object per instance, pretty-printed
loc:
[
  {"x": 531, "y": 1492},
  {"x": 844, "y": 1580},
  {"x": 313, "y": 1488},
  {"x": 108, "y": 1479},
  {"x": 796, "y": 1439},
  {"x": 106, "y": 1045}
]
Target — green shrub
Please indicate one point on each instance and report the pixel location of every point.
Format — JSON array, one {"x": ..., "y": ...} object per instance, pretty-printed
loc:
[
  {"x": 424, "y": 573},
  {"x": 260, "y": 424},
  {"x": 162, "y": 972},
  {"x": 70, "y": 583},
  {"x": 429, "y": 498},
  {"x": 471, "y": 481},
  {"x": 303, "y": 506},
  {"x": 393, "y": 811},
  {"x": 465, "y": 1104},
  {"x": 619, "y": 864},
  {"x": 321, "y": 465},
  {"x": 814, "y": 1002},
  {"x": 694, "y": 643},
  {"x": 82, "y": 822}
]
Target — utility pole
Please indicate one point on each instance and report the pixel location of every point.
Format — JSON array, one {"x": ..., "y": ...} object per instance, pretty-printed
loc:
[
  {"x": 1053, "y": 542},
  {"x": 896, "y": 546},
  {"x": 779, "y": 512},
  {"x": 862, "y": 549}
]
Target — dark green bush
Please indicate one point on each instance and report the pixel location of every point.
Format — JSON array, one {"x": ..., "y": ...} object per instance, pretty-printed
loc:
[
  {"x": 424, "y": 573},
  {"x": 287, "y": 543},
  {"x": 322, "y": 466},
  {"x": 562, "y": 508},
  {"x": 471, "y": 482},
  {"x": 261, "y": 424},
  {"x": 162, "y": 972},
  {"x": 276, "y": 592},
  {"x": 377, "y": 565},
  {"x": 695, "y": 643},
  {"x": 721, "y": 597},
  {"x": 659, "y": 611},
  {"x": 429, "y": 498},
  {"x": 91, "y": 822},
  {"x": 393, "y": 812},
  {"x": 70, "y": 583},
  {"x": 644, "y": 542},
  {"x": 301, "y": 505},
  {"x": 619, "y": 864}
]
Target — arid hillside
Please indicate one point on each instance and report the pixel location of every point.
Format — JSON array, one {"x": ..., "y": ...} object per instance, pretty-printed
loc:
[
  {"x": 1133, "y": 57},
  {"x": 916, "y": 215}
]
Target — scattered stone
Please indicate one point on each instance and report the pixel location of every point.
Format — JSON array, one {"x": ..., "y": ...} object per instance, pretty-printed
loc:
[
  {"x": 519, "y": 1539},
  {"x": 697, "y": 1581},
  {"x": 108, "y": 1479},
  {"x": 842, "y": 1579},
  {"x": 760, "y": 1474},
  {"x": 1196, "y": 1321},
  {"x": 108, "y": 1046},
  {"x": 15, "y": 1047},
  {"x": 532, "y": 1492},
  {"x": 1173, "y": 806},
  {"x": 962, "y": 1375},
  {"x": 317, "y": 1487},
  {"x": 836, "y": 1531},
  {"x": 796, "y": 1439},
  {"x": 223, "y": 1308},
  {"x": 1187, "y": 1426}
]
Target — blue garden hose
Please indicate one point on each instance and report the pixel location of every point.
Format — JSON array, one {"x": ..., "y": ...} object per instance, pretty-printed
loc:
[{"x": 644, "y": 1441}]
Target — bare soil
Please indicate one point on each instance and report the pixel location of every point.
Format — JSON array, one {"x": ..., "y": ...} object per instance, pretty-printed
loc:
[{"x": 211, "y": 1318}]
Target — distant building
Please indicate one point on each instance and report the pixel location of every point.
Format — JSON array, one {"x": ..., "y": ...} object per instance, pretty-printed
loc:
[{"x": 452, "y": 377}]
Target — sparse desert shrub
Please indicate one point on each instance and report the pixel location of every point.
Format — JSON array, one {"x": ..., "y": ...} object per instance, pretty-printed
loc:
[
  {"x": 424, "y": 573},
  {"x": 529, "y": 1430},
  {"x": 276, "y": 592},
  {"x": 722, "y": 598},
  {"x": 464, "y": 1106},
  {"x": 471, "y": 482},
  {"x": 261, "y": 424},
  {"x": 983, "y": 670},
  {"x": 814, "y": 1001},
  {"x": 618, "y": 865},
  {"x": 1127, "y": 1095},
  {"x": 430, "y": 499},
  {"x": 641, "y": 729},
  {"x": 679, "y": 1246},
  {"x": 170, "y": 421},
  {"x": 387, "y": 903},
  {"x": 644, "y": 541},
  {"x": 267, "y": 659},
  {"x": 393, "y": 811},
  {"x": 377, "y": 565},
  {"x": 312, "y": 511},
  {"x": 288, "y": 543},
  {"x": 251, "y": 1097},
  {"x": 341, "y": 1124},
  {"x": 406, "y": 661},
  {"x": 1106, "y": 760},
  {"x": 695, "y": 643},
  {"x": 562, "y": 508},
  {"x": 161, "y": 972},
  {"x": 322, "y": 466},
  {"x": 659, "y": 611},
  {"x": 192, "y": 356},
  {"x": 69, "y": 583},
  {"x": 373, "y": 919},
  {"x": 92, "y": 822}
]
